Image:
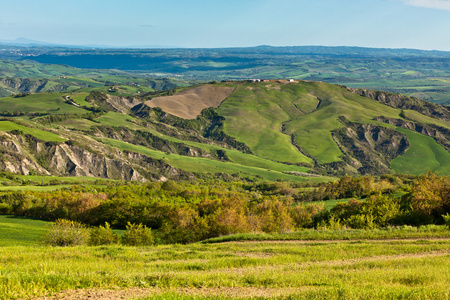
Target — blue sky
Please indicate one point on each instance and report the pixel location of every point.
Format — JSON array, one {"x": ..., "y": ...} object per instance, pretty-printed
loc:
[{"x": 420, "y": 24}]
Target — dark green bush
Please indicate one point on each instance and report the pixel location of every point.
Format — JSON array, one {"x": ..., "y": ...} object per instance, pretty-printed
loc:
[
  {"x": 103, "y": 236},
  {"x": 5, "y": 209},
  {"x": 66, "y": 233},
  {"x": 138, "y": 235},
  {"x": 447, "y": 219}
]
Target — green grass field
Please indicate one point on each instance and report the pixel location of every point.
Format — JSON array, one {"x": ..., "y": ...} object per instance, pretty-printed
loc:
[
  {"x": 118, "y": 119},
  {"x": 43, "y": 183},
  {"x": 19, "y": 231},
  {"x": 34, "y": 188},
  {"x": 80, "y": 98},
  {"x": 313, "y": 131},
  {"x": 40, "y": 134},
  {"x": 39, "y": 103},
  {"x": 391, "y": 263},
  {"x": 414, "y": 115},
  {"x": 255, "y": 116},
  {"x": 354, "y": 269},
  {"x": 284, "y": 124},
  {"x": 424, "y": 155},
  {"x": 205, "y": 165}
]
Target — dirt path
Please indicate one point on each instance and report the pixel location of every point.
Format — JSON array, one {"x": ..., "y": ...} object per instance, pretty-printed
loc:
[
  {"x": 133, "y": 293},
  {"x": 342, "y": 241}
]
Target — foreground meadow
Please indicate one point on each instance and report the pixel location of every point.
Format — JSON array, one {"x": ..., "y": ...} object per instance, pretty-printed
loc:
[{"x": 353, "y": 269}]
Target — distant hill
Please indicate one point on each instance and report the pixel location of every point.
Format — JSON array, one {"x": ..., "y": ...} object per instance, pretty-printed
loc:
[
  {"x": 30, "y": 77},
  {"x": 273, "y": 130},
  {"x": 423, "y": 74}
]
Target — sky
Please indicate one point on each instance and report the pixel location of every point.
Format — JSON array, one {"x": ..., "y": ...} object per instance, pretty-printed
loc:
[{"x": 417, "y": 24}]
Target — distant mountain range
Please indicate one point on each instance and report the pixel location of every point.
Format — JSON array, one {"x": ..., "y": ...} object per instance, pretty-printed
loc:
[{"x": 27, "y": 43}]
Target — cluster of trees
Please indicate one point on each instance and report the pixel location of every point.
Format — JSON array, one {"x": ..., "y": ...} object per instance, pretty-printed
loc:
[{"x": 182, "y": 212}]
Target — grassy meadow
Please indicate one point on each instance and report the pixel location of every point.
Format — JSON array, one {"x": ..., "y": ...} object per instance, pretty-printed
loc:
[
  {"x": 308, "y": 111},
  {"x": 288, "y": 128},
  {"x": 21, "y": 231},
  {"x": 205, "y": 165},
  {"x": 424, "y": 155},
  {"x": 416, "y": 268},
  {"x": 40, "y": 134},
  {"x": 39, "y": 103}
]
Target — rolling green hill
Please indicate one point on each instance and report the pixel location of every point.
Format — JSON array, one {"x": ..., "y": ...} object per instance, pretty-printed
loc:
[
  {"x": 30, "y": 77},
  {"x": 424, "y": 154},
  {"x": 272, "y": 130}
]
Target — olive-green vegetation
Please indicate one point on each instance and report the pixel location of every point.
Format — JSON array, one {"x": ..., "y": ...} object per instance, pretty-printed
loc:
[
  {"x": 188, "y": 212},
  {"x": 254, "y": 180},
  {"x": 259, "y": 240}
]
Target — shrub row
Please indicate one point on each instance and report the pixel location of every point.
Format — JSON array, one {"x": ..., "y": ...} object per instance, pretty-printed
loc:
[
  {"x": 189, "y": 212},
  {"x": 65, "y": 232}
]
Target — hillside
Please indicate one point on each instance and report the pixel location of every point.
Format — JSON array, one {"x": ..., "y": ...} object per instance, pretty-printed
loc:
[
  {"x": 18, "y": 77},
  {"x": 272, "y": 130}
]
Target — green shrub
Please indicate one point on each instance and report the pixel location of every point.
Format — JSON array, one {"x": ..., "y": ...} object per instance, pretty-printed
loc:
[
  {"x": 5, "y": 208},
  {"x": 447, "y": 219},
  {"x": 66, "y": 233},
  {"x": 138, "y": 235},
  {"x": 103, "y": 236}
]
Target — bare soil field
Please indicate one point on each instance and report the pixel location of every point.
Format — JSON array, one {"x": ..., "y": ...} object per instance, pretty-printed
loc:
[{"x": 188, "y": 104}]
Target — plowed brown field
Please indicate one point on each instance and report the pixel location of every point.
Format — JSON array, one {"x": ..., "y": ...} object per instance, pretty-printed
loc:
[{"x": 188, "y": 104}]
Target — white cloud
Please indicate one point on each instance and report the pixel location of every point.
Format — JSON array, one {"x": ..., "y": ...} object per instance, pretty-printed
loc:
[{"x": 438, "y": 4}]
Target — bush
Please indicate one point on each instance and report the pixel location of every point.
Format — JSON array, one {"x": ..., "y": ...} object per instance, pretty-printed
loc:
[
  {"x": 138, "y": 235},
  {"x": 103, "y": 236},
  {"x": 66, "y": 233},
  {"x": 447, "y": 219},
  {"x": 5, "y": 209}
]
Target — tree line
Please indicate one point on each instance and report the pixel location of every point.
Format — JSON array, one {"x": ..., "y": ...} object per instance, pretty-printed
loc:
[{"x": 184, "y": 212}]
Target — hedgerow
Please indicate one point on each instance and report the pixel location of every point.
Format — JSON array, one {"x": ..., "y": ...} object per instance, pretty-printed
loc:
[{"x": 185, "y": 212}]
